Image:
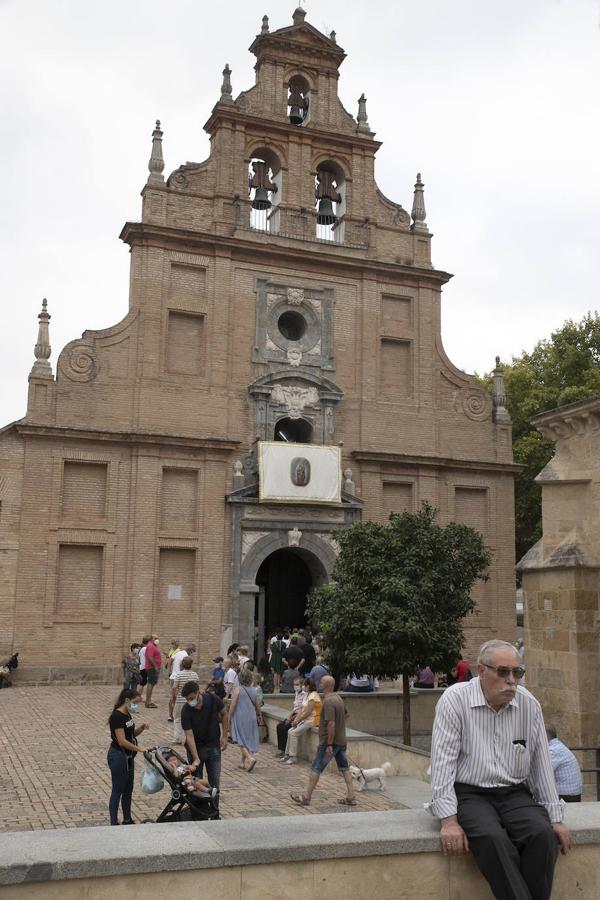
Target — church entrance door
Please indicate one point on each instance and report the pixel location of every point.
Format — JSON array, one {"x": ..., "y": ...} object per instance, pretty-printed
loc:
[{"x": 284, "y": 580}]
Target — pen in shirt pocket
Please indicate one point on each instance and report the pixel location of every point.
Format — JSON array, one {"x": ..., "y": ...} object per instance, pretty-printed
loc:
[{"x": 520, "y": 744}]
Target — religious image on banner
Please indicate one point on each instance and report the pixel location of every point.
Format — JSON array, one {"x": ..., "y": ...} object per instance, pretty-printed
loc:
[{"x": 299, "y": 473}]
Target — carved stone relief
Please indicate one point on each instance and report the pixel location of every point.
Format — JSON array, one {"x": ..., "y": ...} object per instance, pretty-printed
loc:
[
  {"x": 79, "y": 362},
  {"x": 294, "y": 399},
  {"x": 249, "y": 538}
]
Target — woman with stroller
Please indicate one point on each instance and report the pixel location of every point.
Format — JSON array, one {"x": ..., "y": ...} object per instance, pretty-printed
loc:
[
  {"x": 121, "y": 753},
  {"x": 244, "y": 714}
]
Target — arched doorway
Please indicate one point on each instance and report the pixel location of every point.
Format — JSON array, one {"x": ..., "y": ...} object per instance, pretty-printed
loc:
[{"x": 286, "y": 581}]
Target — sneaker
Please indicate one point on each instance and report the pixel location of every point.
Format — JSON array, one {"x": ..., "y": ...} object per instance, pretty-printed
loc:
[
  {"x": 291, "y": 761},
  {"x": 280, "y": 755},
  {"x": 170, "y": 719},
  {"x": 283, "y": 759}
]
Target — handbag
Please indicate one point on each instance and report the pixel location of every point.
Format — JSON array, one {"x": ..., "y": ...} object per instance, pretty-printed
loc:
[{"x": 259, "y": 716}]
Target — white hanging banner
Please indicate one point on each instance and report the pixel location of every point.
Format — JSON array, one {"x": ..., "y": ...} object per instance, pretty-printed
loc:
[{"x": 299, "y": 473}]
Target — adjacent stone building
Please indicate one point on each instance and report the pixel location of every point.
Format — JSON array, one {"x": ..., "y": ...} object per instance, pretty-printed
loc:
[
  {"x": 561, "y": 577},
  {"x": 276, "y": 295}
]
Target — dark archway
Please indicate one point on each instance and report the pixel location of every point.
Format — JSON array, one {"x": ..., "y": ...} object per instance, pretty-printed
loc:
[
  {"x": 294, "y": 431},
  {"x": 286, "y": 580}
]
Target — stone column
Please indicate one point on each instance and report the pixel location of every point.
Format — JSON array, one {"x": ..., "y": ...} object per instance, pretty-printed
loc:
[{"x": 561, "y": 577}]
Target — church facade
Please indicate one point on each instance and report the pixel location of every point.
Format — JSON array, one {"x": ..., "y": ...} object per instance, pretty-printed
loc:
[{"x": 279, "y": 375}]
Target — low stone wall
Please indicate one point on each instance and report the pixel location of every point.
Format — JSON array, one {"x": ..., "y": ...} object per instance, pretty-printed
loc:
[
  {"x": 388, "y": 855},
  {"x": 381, "y": 712}
]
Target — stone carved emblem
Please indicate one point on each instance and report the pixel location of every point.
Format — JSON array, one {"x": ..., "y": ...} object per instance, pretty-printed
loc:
[
  {"x": 294, "y": 537},
  {"x": 300, "y": 471},
  {"x": 294, "y": 357},
  {"x": 295, "y": 296},
  {"x": 294, "y": 398}
]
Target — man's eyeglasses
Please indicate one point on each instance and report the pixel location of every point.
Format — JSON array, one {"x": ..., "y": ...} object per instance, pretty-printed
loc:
[{"x": 505, "y": 671}]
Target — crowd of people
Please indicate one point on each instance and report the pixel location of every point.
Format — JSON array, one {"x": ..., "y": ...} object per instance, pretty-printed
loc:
[{"x": 486, "y": 802}]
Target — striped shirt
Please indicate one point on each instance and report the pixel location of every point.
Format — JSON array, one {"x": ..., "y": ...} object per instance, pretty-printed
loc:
[
  {"x": 475, "y": 744},
  {"x": 182, "y": 678},
  {"x": 567, "y": 773}
]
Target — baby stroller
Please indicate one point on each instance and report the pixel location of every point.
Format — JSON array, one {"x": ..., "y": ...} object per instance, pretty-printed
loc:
[{"x": 185, "y": 805}]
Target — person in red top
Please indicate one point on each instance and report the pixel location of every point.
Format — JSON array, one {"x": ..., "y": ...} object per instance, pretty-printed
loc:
[
  {"x": 153, "y": 664},
  {"x": 463, "y": 670}
]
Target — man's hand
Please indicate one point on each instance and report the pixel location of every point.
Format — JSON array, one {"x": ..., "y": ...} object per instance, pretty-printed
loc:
[
  {"x": 563, "y": 836},
  {"x": 224, "y": 743},
  {"x": 329, "y": 750},
  {"x": 454, "y": 840}
]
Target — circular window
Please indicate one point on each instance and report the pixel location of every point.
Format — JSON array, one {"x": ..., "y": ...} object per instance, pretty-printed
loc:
[{"x": 292, "y": 325}]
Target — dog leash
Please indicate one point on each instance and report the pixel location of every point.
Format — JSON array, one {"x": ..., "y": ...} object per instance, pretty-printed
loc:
[{"x": 357, "y": 766}]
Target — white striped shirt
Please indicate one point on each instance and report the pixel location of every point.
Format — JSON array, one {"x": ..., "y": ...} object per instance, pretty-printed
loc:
[{"x": 473, "y": 744}]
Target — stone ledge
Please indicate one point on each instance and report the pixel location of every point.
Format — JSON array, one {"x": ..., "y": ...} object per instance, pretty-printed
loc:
[{"x": 27, "y": 857}]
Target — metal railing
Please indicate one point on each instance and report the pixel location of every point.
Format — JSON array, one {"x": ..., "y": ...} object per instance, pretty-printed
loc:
[{"x": 595, "y": 768}]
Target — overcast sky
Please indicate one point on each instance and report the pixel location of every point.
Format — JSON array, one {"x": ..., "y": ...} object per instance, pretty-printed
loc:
[{"x": 496, "y": 103}]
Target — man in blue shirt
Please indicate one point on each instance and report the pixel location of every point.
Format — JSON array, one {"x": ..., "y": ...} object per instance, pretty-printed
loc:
[
  {"x": 218, "y": 673},
  {"x": 567, "y": 773},
  {"x": 317, "y": 672}
]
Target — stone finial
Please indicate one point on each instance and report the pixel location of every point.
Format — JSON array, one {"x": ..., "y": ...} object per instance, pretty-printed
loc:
[
  {"x": 265, "y": 25},
  {"x": 298, "y": 16},
  {"x": 348, "y": 485},
  {"x": 333, "y": 37},
  {"x": 156, "y": 162},
  {"x": 361, "y": 118},
  {"x": 294, "y": 537},
  {"x": 418, "y": 208},
  {"x": 42, "y": 350},
  {"x": 226, "y": 86},
  {"x": 238, "y": 474},
  {"x": 499, "y": 411}
]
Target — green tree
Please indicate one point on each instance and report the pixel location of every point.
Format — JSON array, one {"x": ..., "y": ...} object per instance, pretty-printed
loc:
[
  {"x": 398, "y": 597},
  {"x": 557, "y": 371}
]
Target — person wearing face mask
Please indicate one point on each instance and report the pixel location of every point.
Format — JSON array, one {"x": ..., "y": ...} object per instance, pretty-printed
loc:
[
  {"x": 205, "y": 725},
  {"x": 300, "y": 695},
  {"x": 121, "y": 753}
]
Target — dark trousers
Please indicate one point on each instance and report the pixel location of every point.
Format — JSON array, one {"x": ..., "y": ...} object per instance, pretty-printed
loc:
[
  {"x": 282, "y": 730},
  {"x": 211, "y": 758},
  {"x": 511, "y": 838},
  {"x": 121, "y": 769}
]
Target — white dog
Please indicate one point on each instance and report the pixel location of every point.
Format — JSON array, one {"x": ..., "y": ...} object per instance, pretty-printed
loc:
[{"x": 363, "y": 777}]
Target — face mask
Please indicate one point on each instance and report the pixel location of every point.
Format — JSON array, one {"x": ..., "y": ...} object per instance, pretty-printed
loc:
[
  {"x": 297, "y": 688},
  {"x": 192, "y": 703},
  {"x": 157, "y": 642},
  {"x": 134, "y": 707}
]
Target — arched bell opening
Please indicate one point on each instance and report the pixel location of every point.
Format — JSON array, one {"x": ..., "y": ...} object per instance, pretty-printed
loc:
[
  {"x": 293, "y": 431},
  {"x": 264, "y": 190},
  {"x": 330, "y": 201},
  {"x": 298, "y": 100}
]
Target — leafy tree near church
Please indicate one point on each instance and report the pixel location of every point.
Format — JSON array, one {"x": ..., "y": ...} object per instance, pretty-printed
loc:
[
  {"x": 398, "y": 597},
  {"x": 557, "y": 371}
]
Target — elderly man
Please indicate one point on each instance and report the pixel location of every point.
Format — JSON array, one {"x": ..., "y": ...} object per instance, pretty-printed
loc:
[{"x": 492, "y": 780}]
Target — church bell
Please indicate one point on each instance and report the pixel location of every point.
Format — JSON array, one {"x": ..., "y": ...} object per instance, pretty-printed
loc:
[
  {"x": 325, "y": 213},
  {"x": 296, "y": 116},
  {"x": 261, "y": 199}
]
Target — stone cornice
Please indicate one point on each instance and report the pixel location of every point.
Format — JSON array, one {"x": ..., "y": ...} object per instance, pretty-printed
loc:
[
  {"x": 573, "y": 420},
  {"x": 30, "y": 429},
  {"x": 223, "y": 112},
  {"x": 166, "y": 237},
  {"x": 438, "y": 462}
]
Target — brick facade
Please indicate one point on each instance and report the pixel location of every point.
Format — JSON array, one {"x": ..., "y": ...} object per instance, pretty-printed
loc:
[{"x": 123, "y": 509}]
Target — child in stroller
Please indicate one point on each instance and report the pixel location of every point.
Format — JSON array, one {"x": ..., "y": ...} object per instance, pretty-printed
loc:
[{"x": 191, "y": 798}]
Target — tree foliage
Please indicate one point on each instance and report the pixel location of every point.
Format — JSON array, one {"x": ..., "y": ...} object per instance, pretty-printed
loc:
[
  {"x": 399, "y": 594},
  {"x": 556, "y": 372}
]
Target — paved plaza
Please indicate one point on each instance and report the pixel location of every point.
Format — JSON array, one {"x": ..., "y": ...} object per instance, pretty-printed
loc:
[{"x": 53, "y": 770}]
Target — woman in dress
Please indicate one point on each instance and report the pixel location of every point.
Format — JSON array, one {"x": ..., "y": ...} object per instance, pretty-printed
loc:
[
  {"x": 277, "y": 646},
  {"x": 244, "y": 713},
  {"x": 121, "y": 753}
]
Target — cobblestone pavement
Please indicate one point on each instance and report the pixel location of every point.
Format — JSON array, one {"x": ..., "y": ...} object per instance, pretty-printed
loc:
[{"x": 53, "y": 770}]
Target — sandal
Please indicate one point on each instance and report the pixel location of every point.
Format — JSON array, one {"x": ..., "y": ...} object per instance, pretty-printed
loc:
[
  {"x": 252, "y": 764},
  {"x": 347, "y": 801},
  {"x": 300, "y": 799}
]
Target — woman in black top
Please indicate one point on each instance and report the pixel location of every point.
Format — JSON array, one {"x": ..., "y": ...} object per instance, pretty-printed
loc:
[{"x": 121, "y": 753}]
